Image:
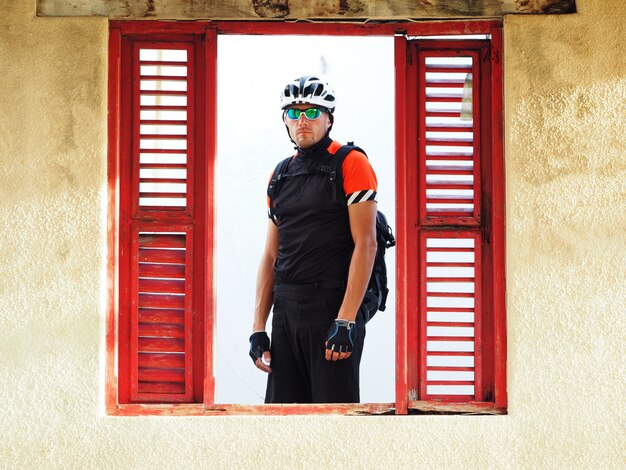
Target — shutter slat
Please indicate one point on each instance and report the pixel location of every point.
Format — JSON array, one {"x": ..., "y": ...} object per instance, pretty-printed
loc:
[
  {"x": 163, "y": 93},
  {"x": 161, "y": 301},
  {"x": 164, "y": 63},
  {"x": 152, "y": 240},
  {"x": 446, "y": 324},
  {"x": 163, "y": 151},
  {"x": 443, "y": 127},
  {"x": 169, "y": 286},
  {"x": 161, "y": 388},
  {"x": 456, "y": 185},
  {"x": 452, "y": 83},
  {"x": 451, "y": 264},
  {"x": 451, "y": 294},
  {"x": 450, "y": 382},
  {"x": 161, "y": 271},
  {"x": 449, "y": 198},
  {"x": 172, "y": 78},
  {"x": 164, "y": 136},
  {"x": 162, "y": 122},
  {"x": 159, "y": 330},
  {"x": 450, "y": 172},
  {"x": 163, "y": 180},
  {"x": 172, "y": 345},
  {"x": 163, "y": 195},
  {"x": 161, "y": 375},
  {"x": 162, "y": 361},
  {"x": 448, "y": 142},
  {"x": 452, "y": 354},
  {"x": 167, "y": 166},
  {"x": 449, "y": 309},
  {"x": 442, "y": 113},
  {"x": 447, "y": 68},
  {"x": 456, "y": 249},
  {"x": 171, "y": 316},
  {"x": 162, "y": 107},
  {"x": 149, "y": 255}
]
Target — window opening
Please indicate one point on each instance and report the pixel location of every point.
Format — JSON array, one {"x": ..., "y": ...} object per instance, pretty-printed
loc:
[{"x": 250, "y": 146}]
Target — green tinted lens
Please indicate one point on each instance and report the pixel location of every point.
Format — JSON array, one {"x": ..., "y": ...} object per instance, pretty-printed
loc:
[
  {"x": 293, "y": 113},
  {"x": 312, "y": 113}
]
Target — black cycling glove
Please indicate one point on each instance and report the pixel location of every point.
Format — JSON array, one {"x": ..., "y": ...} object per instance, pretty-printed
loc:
[
  {"x": 341, "y": 336},
  {"x": 259, "y": 343}
]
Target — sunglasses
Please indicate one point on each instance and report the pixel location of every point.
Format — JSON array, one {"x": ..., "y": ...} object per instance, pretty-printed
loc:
[{"x": 310, "y": 113}]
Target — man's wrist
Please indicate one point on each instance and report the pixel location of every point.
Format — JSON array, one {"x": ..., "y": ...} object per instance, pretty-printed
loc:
[
  {"x": 341, "y": 316},
  {"x": 344, "y": 323}
]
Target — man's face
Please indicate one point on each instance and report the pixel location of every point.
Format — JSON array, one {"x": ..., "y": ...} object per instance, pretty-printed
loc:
[{"x": 305, "y": 132}]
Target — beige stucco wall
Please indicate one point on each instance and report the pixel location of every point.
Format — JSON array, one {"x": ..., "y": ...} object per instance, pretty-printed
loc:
[{"x": 566, "y": 199}]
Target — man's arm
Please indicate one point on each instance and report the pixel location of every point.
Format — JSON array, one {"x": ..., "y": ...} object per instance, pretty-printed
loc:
[
  {"x": 363, "y": 228},
  {"x": 264, "y": 288}
]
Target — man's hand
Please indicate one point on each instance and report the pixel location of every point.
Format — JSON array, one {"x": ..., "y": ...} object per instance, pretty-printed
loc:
[
  {"x": 260, "y": 350},
  {"x": 340, "y": 340}
]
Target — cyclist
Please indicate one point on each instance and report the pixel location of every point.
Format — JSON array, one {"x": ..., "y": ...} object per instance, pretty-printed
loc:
[{"x": 317, "y": 260}]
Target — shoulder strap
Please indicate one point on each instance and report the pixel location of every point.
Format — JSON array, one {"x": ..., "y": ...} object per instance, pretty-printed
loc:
[
  {"x": 334, "y": 166},
  {"x": 277, "y": 178},
  {"x": 276, "y": 182}
]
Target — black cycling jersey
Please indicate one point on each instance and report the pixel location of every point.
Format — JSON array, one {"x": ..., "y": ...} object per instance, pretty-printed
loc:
[{"x": 315, "y": 242}]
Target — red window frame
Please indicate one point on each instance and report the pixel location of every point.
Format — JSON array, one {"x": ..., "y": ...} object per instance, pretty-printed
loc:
[{"x": 200, "y": 397}]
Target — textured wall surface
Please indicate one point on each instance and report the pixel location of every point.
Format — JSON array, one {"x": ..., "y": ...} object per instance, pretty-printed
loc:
[{"x": 566, "y": 199}]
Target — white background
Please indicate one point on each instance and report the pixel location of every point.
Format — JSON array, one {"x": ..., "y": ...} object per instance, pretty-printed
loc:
[{"x": 252, "y": 70}]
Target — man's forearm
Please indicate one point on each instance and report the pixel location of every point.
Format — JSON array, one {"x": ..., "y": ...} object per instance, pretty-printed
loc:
[{"x": 264, "y": 294}]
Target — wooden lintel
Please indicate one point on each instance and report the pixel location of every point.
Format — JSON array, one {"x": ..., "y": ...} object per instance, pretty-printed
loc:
[{"x": 299, "y": 9}]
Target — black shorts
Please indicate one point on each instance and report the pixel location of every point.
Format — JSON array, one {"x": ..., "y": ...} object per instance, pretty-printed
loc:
[{"x": 300, "y": 371}]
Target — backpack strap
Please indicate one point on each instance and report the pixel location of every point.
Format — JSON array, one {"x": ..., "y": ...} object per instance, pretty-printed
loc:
[
  {"x": 334, "y": 168},
  {"x": 276, "y": 182}
]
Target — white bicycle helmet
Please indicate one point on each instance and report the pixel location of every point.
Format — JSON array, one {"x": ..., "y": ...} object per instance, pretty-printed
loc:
[{"x": 308, "y": 90}]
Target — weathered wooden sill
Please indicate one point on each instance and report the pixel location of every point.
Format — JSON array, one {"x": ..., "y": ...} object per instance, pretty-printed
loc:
[{"x": 367, "y": 409}]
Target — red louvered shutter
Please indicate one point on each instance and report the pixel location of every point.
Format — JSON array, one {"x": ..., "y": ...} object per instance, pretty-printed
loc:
[
  {"x": 453, "y": 115},
  {"x": 159, "y": 222}
]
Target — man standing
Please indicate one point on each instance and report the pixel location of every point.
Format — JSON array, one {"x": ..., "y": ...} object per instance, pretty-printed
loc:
[{"x": 317, "y": 261}]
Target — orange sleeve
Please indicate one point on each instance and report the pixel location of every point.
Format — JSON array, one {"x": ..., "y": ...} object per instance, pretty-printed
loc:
[{"x": 359, "y": 180}]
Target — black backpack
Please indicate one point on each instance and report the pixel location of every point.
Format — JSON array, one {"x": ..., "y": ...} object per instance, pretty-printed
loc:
[{"x": 376, "y": 293}]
